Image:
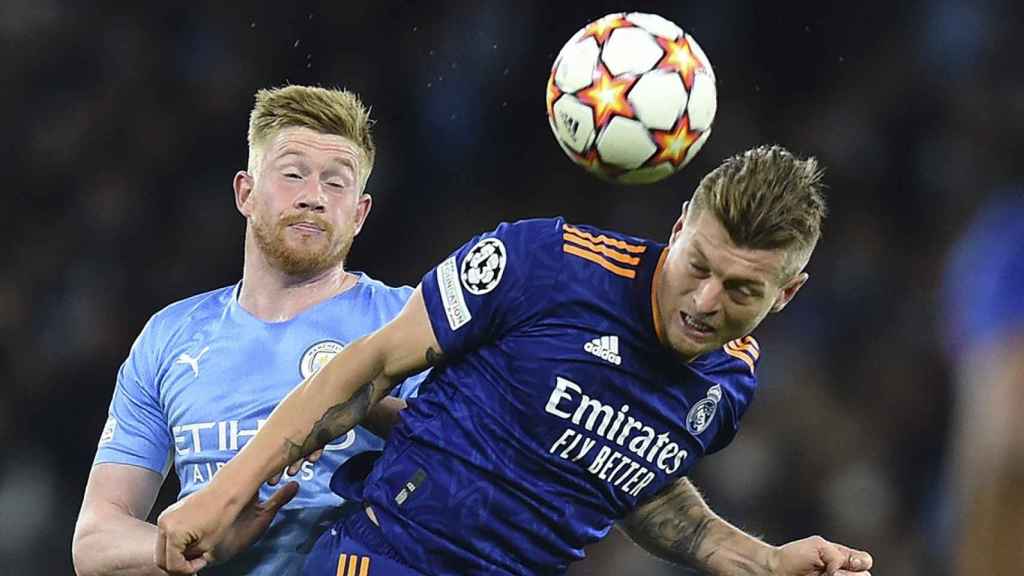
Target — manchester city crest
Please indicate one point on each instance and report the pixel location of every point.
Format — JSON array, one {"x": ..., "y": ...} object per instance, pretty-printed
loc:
[
  {"x": 317, "y": 355},
  {"x": 700, "y": 415}
]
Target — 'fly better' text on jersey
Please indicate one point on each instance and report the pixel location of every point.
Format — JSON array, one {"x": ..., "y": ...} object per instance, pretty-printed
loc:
[{"x": 556, "y": 410}]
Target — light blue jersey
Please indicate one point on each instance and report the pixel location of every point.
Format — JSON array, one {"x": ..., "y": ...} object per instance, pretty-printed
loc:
[{"x": 204, "y": 375}]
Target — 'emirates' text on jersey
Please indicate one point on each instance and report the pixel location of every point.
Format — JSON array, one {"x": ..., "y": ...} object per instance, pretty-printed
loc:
[{"x": 557, "y": 409}]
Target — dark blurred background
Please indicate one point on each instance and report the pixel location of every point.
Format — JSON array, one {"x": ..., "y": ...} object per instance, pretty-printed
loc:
[{"x": 123, "y": 125}]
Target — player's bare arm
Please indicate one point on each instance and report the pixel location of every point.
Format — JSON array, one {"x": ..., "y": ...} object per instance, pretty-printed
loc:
[
  {"x": 678, "y": 526},
  {"x": 321, "y": 408},
  {"x": 991, "y": 448}
]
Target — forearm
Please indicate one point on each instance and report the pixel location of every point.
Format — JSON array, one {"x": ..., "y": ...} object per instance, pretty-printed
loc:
[
  {"x": 680, "y": 527},
  {"x": 117, "y": 545},
  {"x": 320, "y": 409}
]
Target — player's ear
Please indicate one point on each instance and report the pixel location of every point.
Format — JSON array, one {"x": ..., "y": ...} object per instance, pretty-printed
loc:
[
  {"x": 678, "y": 226},
  {"x": 365, "y": 202},
  {"x": 243, "y": 185},
  {"x": 789, "y": 290}
]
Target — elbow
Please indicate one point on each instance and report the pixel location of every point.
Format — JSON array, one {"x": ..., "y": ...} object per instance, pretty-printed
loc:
[{"x": 83, "y": 550}]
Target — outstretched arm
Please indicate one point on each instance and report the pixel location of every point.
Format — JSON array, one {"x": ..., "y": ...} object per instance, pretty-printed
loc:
[
  {"x": 678, "y": 526},
  {"x": 321, "y": 408}
]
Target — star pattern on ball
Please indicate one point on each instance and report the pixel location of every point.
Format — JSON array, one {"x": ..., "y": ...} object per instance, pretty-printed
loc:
[
  {"x": 678, "y": 58},
  {"x": 607, "y": 97},
  {"x": 672, "y": 146},
  {"x": 590, "y": 160},
  {"x": 601, "y": 29}
]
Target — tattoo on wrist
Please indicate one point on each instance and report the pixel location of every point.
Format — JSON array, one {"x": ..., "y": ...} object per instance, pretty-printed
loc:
[
  {"x": 680, "y": 528},
  {"x": 337, "y": 420}
]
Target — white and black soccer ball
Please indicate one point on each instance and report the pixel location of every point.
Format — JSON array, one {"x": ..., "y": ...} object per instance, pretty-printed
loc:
[{"x": 631, "y": 98}]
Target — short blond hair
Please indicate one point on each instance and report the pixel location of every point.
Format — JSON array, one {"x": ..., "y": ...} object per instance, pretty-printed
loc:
[
  {"x": 767, "y": 199},
  {"x": 328, "y": 111}
]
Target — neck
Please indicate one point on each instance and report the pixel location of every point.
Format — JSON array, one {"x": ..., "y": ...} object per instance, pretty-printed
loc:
[{"x": 273, "y": 296}]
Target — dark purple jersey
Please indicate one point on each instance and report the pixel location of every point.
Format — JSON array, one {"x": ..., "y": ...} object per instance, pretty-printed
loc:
[{"x": 556, "y": 410}]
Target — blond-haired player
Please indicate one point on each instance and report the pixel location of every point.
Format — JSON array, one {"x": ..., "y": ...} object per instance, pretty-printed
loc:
[
  {"x": 579, "y": 375},
  {"x": 205, "y": 372}
]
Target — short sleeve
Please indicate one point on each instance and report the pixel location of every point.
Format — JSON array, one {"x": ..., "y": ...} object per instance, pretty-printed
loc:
[
  {"x": 735, "y": 372},
  {"x": 493, "y": 283},
  {"x": 136, "y": 431}
]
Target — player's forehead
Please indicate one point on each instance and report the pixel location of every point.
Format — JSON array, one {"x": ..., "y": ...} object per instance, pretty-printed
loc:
[
  {"x": 306, "y": 144},
  {"x": 710, "y": 243}
]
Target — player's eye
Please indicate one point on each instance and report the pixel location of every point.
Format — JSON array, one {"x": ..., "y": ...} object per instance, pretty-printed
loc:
[
  {"x": 293, "y": 175},
  {"x": 743, "y": 294},
  {"x": 699, "y": 270},
  {"x": 335, "y": 184}
]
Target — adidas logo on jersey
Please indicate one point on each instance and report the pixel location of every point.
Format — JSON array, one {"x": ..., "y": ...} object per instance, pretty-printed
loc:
[{"x": 606, "y": 348}]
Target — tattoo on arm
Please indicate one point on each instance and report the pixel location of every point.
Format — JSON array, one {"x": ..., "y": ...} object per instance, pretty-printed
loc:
[
  {"x": 679, "y": 527},
  {"x": 338, "y": 420},
  {"x": 434, "y": 357}
]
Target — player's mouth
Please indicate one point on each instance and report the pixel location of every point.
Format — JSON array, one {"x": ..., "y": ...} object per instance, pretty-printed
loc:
[
  {"x": 307, "y": 227},
  {"x": 694, "y": 328}
]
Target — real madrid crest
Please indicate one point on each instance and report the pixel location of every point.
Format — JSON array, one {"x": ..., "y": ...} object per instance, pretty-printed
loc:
[
  {"x": 317, "y": 355},
  {"x": 700, "y": 415}
]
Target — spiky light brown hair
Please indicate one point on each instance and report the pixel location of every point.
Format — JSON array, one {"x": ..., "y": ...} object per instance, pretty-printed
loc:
[
  {"x": 328, "y": 111},
  {"x": 767, "y": 199}
]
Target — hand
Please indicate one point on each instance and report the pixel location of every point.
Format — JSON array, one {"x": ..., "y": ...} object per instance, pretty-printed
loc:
[
  {"x": 190, "y": 529},
  {"x": 294, "y": 468},
  {"x": 252, "y": 522},
  {"x": 816, "y": 556}
]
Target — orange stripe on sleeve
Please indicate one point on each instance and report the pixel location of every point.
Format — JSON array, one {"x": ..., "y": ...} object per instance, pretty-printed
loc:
[
  {"x": 749, "y": 349},
  {"x": 364, "y": 566},
  {"x": 353, "y": 563},
  {"x": 749, "y": 361},
  {"x": 631, "y": 248},
  {"x": 752, "y": 341},
  {"x": 598, "y": 259},
  {"x": 614, "y": 255},
  {"x": 341, "y": 564}
]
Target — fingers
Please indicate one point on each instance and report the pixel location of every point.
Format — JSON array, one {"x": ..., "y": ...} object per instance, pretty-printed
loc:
[
  {"x": 280, "y": 497},
  {"x": 294, "y": 467},
  {"x": 833, "y": 558},
  {"x": 171, "y": 557},
  {"x": 856, "y": 559},
  {"x": 297, "y": 465}
]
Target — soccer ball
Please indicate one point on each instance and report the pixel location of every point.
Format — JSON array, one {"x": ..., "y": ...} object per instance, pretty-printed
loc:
[{"x": 631, "y": 98}]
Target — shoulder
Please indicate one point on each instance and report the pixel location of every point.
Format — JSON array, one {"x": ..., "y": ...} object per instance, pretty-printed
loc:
[
  {"x": 379, "y": 291},
  {"x": 524, "y": 252},
  {"x": 592, "y": 250},
  {"x": 178, "y": 315},
  {"x": 733, "y": 366}
]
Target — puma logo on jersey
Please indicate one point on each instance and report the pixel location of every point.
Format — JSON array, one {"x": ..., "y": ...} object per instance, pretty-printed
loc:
[
  {"x": 185, "y": 358},
  {"x": 606, "y": 348}
]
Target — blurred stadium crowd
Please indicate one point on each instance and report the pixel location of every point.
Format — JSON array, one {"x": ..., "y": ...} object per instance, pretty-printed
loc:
[{"x": 125, "y": 123}]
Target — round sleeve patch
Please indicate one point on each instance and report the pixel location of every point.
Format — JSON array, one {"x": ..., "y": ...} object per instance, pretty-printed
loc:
[{"x": 483, "y": 266}]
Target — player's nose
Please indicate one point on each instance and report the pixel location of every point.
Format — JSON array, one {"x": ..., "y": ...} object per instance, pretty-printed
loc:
[
  {"x": 311, "y": 197},
  {"x": 707, "y": 297}
]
